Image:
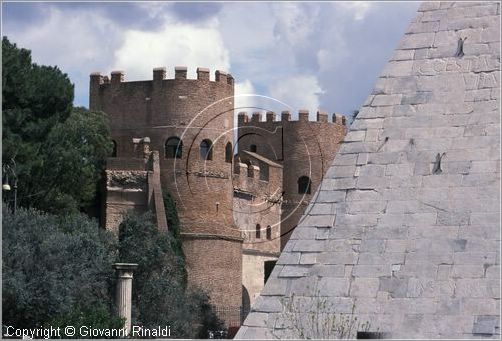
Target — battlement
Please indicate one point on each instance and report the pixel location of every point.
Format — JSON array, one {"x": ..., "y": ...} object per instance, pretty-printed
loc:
[
  {"x": 251, "y": 171},
  {"x": 170, "y": 97},
  {"x": 255, "y": 180},
  {"x": 255, "y": 174},
  {"x": 160, "y": 74},
  {"x": 303, "y": 116}
]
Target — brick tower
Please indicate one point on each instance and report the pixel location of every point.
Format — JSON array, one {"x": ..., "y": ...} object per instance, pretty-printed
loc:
[
  {"x": 190, "y": 123},
  {"x": 304, "y": 148}
]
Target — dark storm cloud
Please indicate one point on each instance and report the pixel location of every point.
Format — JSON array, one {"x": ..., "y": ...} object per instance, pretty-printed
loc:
[
  {"x": 189, "y": 11},
  {"x": 124, "y": 14},
  {"x": 19, "y": 13}
]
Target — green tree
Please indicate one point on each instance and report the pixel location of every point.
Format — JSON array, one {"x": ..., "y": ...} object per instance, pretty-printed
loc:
[
  {"x": 173, "y": 221},
  {"x": 53, "y": 266},
  {"x": 74, "y": 158},
  {"x": 160, "y": 295},
  {"x": 34, "y": 97},
  {"x": 59, "y": 150},
  {"x": 96, "y": 315}
]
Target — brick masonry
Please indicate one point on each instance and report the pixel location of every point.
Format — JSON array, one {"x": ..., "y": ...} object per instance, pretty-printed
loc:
[
  {"x": 133, "y": 184},
  {"x": 219, "y": 201},
  {"x": 285, "y": 150},
  {"x": 302, "y": 147},
  {"x": 192, "y": 110},
  {"x": 404, "y": 231}
]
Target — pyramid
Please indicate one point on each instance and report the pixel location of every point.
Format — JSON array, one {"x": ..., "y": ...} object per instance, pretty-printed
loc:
[{"x": 404, "y": 231}]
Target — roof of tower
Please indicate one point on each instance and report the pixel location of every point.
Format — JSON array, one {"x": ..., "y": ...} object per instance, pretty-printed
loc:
[
  {"x": 263, "y": 159},
  {"x": 404, "y": 230}
]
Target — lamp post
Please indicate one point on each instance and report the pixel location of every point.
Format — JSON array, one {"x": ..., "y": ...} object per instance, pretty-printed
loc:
[{"x": 6, "y": 169}]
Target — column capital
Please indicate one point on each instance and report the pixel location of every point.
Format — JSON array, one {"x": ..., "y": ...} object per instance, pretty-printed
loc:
[
  {"x": 125, "y": 266},
  {"x": 125, "y": 270}
]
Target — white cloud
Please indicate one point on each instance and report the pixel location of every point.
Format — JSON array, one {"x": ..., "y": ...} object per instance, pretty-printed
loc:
[
  {"x": 295, "y": 22},
  {"x": 244, "y": 96},
  {"x": 339, "y": 45},
  {"x": 242, "y": 35},
  {"x": 69, "y": 42},
  {"x": 252, "y": 47},
  {"x": 358, "y": 9},
  {"x": 244, "y": 100},
  {"x": 177, "y": 44},
  {"x": 77, "y": 42},
  {"x": 329, "y": 60},
  {"x": 298, "y": 92}
]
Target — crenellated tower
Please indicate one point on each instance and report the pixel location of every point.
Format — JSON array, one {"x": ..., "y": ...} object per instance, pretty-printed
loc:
[
  {"x": 237, "y": 206},
  {"x": 304, "y": 148},
  {"x": 190, "y": 123}
]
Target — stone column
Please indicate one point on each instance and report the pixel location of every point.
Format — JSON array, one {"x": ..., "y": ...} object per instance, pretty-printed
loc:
[{"x": 123, "y": 298}]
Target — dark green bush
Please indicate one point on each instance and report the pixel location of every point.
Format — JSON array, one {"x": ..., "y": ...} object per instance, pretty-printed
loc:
[
  {"x": 160, "y": 295},
  {"x": 52, "y": 265}
]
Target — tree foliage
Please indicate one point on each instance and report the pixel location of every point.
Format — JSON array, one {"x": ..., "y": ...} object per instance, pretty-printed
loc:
[
  {"x": 96, "y": 315},
  {"x": 74, "y": 156},
  {"x": 59, "y": 150},
  {"x": 57, "y": 265},
  {"x": 160, "y": 295},
  {"x": 52, "y": 265},
  {"x": 173, "y": 221},
  {"x": 34, "y": 97}
]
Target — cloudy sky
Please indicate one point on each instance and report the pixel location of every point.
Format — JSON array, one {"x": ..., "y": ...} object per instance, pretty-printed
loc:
[{"x": 306, "y": 55}]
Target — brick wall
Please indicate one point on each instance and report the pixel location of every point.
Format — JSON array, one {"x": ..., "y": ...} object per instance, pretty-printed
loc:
[
  {"x": 192, "y": 110},
  {"x": 215, "y": 266},
  {"x": 303, "y": 147}
]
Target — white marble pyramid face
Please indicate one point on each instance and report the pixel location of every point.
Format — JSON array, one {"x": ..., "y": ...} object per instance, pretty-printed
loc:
[{"x": 414, "y": 247}]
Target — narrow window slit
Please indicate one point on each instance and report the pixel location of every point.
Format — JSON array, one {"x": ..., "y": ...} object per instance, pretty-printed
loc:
[
  {"x": 460, "y": 47},
  {"x": 437, "y": 165}
]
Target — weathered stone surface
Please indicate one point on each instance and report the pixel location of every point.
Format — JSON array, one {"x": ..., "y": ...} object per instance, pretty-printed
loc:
[
  {"x": 337, "y": 287},
  {"x": 415, "y": 243},
  {"x": 486, "y": 325},
  {"x": 386, "y": 100},
  {"x": 268, "y": 304},
  {"x": 294, "y": 271},
  {"x": 364, "y": 287},
  {"x": 394, "y": 286}
]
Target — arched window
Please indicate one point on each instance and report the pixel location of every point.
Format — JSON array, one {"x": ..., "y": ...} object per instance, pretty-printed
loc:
[
  {"x": 269, "y": 232},
  {"x": 206, "y": 150},
  {"x": 258, "y": 231},
  {"x": 228, "y": 153},
  {"x": 173, "y": 148},
  {"x": 304, "y": 185},
  {"x": 253, "y": 148},
  {"x": 114, "y": 150}
]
